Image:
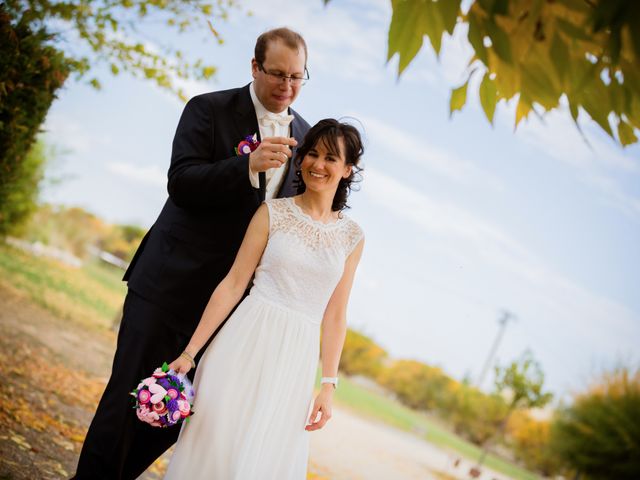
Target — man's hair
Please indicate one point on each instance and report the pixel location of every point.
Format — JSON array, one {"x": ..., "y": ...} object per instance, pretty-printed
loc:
[{"x": 290, "y": 38}]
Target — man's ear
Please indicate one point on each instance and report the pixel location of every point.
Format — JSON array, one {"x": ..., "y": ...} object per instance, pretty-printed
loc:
[{"x": 254, "y": 67}]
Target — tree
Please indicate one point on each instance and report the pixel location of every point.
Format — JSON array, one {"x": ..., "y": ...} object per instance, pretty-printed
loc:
[
  {"x": 599, "y": 435},
  {"x": 111, "y": 33},
  {"x": 361, "y": 355},
  {"x": 18, "y": 199},
  {"x": 42, "y": 42},
  {"x": 537, "y": 52},
  {"x": 522, "y": 380}
]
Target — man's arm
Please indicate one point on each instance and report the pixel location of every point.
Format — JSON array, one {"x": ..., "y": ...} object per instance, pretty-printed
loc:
[{"x": 194, "y": 179}]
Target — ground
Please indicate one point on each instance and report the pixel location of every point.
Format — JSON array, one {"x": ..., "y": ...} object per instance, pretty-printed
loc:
[{"x": 54, "y": 371}]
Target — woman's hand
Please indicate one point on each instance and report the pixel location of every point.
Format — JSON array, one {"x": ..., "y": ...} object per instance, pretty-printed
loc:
[
  {"x": 180, "y": 365},
  {"x": 322, "y": 405}
]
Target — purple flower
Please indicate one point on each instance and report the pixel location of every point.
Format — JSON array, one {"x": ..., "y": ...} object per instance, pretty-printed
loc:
[{"x": 172, "y": 405}]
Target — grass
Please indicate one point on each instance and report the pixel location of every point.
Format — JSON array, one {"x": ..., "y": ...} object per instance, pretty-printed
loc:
[{"x": 91, "y": 297}]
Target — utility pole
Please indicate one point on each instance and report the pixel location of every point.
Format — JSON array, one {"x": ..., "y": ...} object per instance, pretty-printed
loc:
[{"x": 505, "y": 318}]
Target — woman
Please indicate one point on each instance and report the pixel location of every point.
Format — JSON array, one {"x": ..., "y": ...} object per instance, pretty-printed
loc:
[{"x": 255, "y": 381}]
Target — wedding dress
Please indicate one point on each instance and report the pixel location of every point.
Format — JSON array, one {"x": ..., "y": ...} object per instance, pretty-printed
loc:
[{"x": 254, "y": 383}]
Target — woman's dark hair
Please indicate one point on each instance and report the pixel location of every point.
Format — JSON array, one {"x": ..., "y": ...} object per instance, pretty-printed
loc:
[{"x": 328, "y": 132}]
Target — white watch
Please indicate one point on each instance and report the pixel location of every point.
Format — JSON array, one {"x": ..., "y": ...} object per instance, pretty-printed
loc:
[{"x": 331, "y": 380}]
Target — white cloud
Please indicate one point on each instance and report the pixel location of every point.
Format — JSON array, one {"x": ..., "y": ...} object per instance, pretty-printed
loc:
[
  {"x": 536, "y": 286},
  {"x": 150, "y": 175},
  {"x": 351, "y": 49},
  {"x": 421, "y": 152},
  {"x": 597, "y": 162}
]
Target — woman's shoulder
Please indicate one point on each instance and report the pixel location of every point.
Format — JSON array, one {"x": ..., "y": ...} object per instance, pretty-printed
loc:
[{"x": 352, "y": 231}]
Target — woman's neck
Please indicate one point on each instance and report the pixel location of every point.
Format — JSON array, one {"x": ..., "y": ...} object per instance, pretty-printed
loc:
[{"x": 317, "y": 206}]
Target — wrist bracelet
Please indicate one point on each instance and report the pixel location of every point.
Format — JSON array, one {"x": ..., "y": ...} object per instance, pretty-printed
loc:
[
  {"x": 331, "y": 380},
  {"x": 188, "y": 357}
]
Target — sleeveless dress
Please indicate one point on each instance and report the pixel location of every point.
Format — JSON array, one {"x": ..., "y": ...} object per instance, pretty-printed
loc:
[{"x": 254, "y": 383}]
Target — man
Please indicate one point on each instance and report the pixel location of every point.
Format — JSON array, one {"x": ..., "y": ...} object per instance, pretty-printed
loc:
[{"x": 214, "y": 190}]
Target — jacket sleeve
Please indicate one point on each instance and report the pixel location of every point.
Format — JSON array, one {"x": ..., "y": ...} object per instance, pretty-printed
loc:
[{"x": 196, "y": 177}]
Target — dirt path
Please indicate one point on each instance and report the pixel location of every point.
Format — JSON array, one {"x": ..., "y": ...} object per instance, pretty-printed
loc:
[{"x": 54, "y": 372}]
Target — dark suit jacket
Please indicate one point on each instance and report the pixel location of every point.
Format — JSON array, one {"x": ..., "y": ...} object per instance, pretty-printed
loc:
[{"x": 192, "y": 245}]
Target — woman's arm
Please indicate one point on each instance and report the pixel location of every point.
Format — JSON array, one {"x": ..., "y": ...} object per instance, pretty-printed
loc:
[
  {"x": 230, "y": 290},
  {"x": 334, "y": 330}
]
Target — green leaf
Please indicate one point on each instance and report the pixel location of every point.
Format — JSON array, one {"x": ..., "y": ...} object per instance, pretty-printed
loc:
[
  {"x": 500, "y": 41},
  {"x": 596, "y": 102},
  {"x": 626, "y": 133},
  {"x": 559, "y": 57},
  {"x": 488, "y": 96},
  {"x": 449, "y": 10},
  {"x": 522, "y": 109},
  {"x": 475, "y": 36},
  {"x": 458, "y": 98},
  {"x": 406, "y": 31},
  {"x": 167, "y": 398},
  {"x": 165, "y": 367}
]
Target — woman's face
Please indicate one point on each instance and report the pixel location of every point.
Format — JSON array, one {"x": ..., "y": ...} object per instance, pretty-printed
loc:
[{"x": 322, "y": 168}]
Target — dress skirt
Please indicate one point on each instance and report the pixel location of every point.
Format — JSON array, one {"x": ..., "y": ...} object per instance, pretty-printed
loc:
[{"x": 253, "y": 394}]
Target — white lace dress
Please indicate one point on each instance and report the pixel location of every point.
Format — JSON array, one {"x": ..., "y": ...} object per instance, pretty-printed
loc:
[{"x": 254, "y": 383}]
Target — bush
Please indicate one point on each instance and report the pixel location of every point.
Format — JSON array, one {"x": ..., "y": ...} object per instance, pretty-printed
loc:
[
  {"x": 475, "y": 415},
  {"x": 19, "y": 198},
  {"x": 416, "y": 385},
  {"x": 531, "y": 443},
  {"x": 30, "y": 74},
  {"x": 599, "y": 435},
  {"x": 361, "y": 355}
]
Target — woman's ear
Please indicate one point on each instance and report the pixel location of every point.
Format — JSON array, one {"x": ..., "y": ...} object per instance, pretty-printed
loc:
[{"x": 347, "y": 171}]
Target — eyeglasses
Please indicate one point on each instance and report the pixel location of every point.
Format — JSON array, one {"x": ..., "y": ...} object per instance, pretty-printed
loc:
[{"x": 279, "y": 77}]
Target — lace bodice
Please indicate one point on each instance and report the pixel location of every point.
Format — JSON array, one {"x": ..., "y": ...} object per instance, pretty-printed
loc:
[{"x": 304, "y": 258}]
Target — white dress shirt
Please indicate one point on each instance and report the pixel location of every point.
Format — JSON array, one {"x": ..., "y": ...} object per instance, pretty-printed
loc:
[{"x": 275, "y": 176}]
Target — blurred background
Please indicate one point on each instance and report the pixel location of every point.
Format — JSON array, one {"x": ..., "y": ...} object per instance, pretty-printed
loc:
[{"x": 495, "y": 318}]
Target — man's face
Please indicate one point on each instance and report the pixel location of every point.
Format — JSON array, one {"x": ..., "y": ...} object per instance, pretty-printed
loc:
[{"x": 273, "y": 92}]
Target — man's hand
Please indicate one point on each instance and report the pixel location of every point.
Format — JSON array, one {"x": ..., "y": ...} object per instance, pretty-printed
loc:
[{"x": 271, "y": 153}]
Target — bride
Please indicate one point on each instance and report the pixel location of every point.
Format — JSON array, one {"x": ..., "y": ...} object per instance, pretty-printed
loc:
[{"x": 254, "y": 383}]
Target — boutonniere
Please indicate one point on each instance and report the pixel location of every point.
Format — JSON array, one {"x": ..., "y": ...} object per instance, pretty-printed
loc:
[{"x": 248, "y": 145}]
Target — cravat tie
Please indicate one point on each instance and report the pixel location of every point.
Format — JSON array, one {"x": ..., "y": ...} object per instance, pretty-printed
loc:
[{"x": 272, "y": 120}]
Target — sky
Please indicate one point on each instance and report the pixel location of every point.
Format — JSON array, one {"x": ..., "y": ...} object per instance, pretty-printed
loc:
[{"x": 463, "y": 220}]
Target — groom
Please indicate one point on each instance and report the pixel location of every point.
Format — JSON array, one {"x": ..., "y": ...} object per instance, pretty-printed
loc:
[{"x": 213, "y": 193}]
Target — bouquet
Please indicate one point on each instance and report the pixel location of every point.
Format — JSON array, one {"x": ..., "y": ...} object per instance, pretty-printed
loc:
[{"x": 164, "y": 399}]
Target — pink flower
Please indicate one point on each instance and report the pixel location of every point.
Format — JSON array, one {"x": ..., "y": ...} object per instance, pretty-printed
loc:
[
  {"x": 144, "y": 396},
  {"x": 147, "y": 416},
  {"x": 176, "y": 416},
  {"x": 160, "y": 408},
  {"x": 158, "y": 373},
  {"x": 148, "y": 382},
  {"x": 184, "y": 408},
  {"x": 173, "y": 393},
  {"x": 157, "y": 393}
]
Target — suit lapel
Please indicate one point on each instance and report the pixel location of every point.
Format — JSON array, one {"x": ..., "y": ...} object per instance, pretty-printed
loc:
[
  {"x": 246, "y": 121},
  {"x": 287, "y": 187},
  {"x": 247, "y": 124}
]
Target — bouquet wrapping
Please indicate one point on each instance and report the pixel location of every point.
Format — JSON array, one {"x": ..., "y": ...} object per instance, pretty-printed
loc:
[{"x": 164, "y": 399}]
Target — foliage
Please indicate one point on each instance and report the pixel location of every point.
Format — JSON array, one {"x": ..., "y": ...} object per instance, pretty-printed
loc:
[
  {"x": 18, "y": 199},
  {"x": 537, "y": 52},
  {"x": 475, "y": 415},
  {"x": 599, "y": 435},
  {"x": 109, "y": 33},
  {"x": 30, "y": 74},
  {"x": 74, "y": 229},
  {"x": 361, "y": 355},
  {"x": 531, "y": 443},
  {"x": 523, "y": 379},
  {"x": 416, "y": 385}
]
